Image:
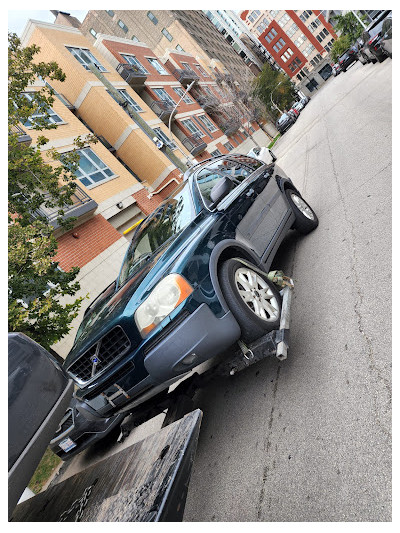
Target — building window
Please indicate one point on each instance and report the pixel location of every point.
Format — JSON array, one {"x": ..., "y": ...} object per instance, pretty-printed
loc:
[
  {"x": 164, "y": 96},
  {"x": 228, "y": 146},
  {"x": 85, "y": 58},
  {"x": 180, "y": 92},
  {"x": 194, "y": 130},
  {"x": 261, "y": 27},
  {"x": 286, "y": 55},
  {"x": 51, "y": 118},
  {"x": 110, "y": 12},
  {"x": 132, "y": 60},
  {"x": 91, "y": 171},
  {"x": 186, "y": 66},
  {"x": 202, "y": 71},
  {"x": 283, "y": 20},
  {"x": 93, "y": 32},
  {"x": 128, "y": 99},
  {"x": 274, "y": 12},
  {"x": 155, "y": 64},
  {"x": 308, "y": 49},
  {"x": 152, "y": 17},
  {"x": 254, "y": 15},
  {"x": 279, "y": 45},
  {"x": 163, "y": 137},
  {"x": 292, "y": 30},
  {"x": 207, "y": 123},
  {"x": 300, "y": 40},
  {"x": 304, "y": 16},
  {"x": 167, "y": 34},
  {"x": 179, "y": 48},
  {"x": 134, "y": 39},
  {"x": 123, "y": 26},
  {"x": 216, "y": 153},
  {"x": 270, "y": 35}
]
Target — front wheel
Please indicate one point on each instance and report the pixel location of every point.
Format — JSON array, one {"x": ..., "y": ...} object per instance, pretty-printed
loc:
[
  {"x": 306, "y": 219},
  {"x": 253, "y": 299}
]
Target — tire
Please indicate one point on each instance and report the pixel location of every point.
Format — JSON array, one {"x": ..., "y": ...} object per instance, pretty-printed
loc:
[
  {"x": 344, "y": 69},
  {"x": 249, "y": 296},
  {"x": 306, "y": 220},
  {"x": 381, "y": 59}
]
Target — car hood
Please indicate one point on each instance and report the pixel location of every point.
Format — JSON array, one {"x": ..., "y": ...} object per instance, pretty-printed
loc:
[{"x": 120, "y": 306}]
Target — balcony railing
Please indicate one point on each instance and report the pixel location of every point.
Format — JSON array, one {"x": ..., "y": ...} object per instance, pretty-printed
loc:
[
  {"x": 132, "y": 75},
  {"x": 209, "y": 103},
  {"x": 82, "y": 204},
  {"x": 230, "y": 127},
  {"x": 185, "y": 76},
  {"x": 23, "y": 137},
  {"x": 163, "y": 109},
  {"x": 194, "y": 144}
]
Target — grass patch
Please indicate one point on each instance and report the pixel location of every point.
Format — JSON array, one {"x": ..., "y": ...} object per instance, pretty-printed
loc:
[
  {"x": 42, "y": 474},
  {"x": 271, "y": 144}
]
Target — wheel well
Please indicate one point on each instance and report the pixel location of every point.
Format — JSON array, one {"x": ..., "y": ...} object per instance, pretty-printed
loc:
[{"x": 231, "y": 252}]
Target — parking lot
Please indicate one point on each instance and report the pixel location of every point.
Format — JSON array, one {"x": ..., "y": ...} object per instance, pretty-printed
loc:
[{"x": 308, "y": 439}]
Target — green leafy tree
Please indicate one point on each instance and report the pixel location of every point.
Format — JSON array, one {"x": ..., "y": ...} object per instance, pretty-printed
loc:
[
  {"x": 274, "y": 89},
  {"x": 348, "y": 25},
  {"x": 35, "y": 283},
  {"x": 339, "y": 46}
]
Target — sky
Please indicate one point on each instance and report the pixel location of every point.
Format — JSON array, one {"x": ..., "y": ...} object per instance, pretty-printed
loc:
[{"x": 17, "y": 19}]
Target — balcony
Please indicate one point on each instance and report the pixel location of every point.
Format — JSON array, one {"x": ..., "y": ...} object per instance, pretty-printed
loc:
[
  {"x": 185, "y": 76},
  {"x": 82, "y": 204},
  {"x": 65, "y": 101},
  {"x": 210, "y": 104},
  {"x": 194, "y": 145},
  {"x": 133, "y": 75},
  {"x": 23, "y": 137},
  {"x": 230, "y": 127},
  {"x": 163, "y": 109}
]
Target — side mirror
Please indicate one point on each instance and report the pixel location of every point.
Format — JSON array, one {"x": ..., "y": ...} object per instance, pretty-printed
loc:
[{"x": 220, "y": 190}]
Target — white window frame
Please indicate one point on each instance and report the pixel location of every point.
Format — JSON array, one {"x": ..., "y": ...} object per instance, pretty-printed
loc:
[
  {"x": 164, "y": 138},
  {"x": 123, "y": 26},
  {"x": 107, "y": 177},
  {"x": 207, "y": 123},
  {"x": 128, "y": 98},
  {"x": 195, "y": 131},
  {"x": 167, "y": 98},
  {"x": 201, "y": 70},
  {"x": 167, "y": 35},
  {"x": 49, "y": 111},
  {"x": 187, "y": 99},
  {"x": 133, "y": 60},
  {"x": 160, "y": 69},
  {"x": 73, "y": 50}
]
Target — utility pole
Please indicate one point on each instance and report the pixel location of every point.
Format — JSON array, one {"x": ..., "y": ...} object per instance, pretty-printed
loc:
[{"x": 136, "y": 117}]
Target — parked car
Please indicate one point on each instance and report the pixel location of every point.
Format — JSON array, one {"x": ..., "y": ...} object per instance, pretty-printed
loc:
[
  {"x": 386, "y": 42},
  {"x": 39, "y": 391},
  {"x": 336, "y": 69},
  {"x": 305, "y": 100},
  {"x": 263, "y": 153},
  {"x": 348, "y": 58},
  {"x": 371, "y": 49},
  {"x": 293, "y": 113},
  {"x": 284, "y": 122},
  {"x": 298, "y": 106},
  {"x": 192, "y": 283}
]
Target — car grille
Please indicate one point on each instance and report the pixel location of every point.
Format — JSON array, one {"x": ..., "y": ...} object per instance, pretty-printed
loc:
[{"x": 109, "y": 348}]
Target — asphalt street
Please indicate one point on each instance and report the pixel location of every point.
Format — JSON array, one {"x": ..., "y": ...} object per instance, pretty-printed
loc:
[{"x": 309, "y": 439}]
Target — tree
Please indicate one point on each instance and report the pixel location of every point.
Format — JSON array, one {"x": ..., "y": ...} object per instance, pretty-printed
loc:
[
  {"x": 35, "y": 283},
  {"x": 348, "y": 25},
  {"x": 274, "y": 89},
  {"x": 339, "y": 47}
]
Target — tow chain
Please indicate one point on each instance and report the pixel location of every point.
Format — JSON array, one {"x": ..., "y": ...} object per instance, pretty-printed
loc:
[{"x": 78, "y": 504}]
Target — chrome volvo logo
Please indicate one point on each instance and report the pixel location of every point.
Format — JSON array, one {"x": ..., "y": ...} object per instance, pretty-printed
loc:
[{"x": 95, "y": 361}]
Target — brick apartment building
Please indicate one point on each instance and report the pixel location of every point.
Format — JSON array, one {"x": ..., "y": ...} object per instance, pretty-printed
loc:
[{"x": 298, "y": 40}]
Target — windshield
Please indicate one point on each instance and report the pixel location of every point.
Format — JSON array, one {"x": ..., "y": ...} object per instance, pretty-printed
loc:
[
  {"x": 167, "y": 221},
  {"x": 376, "y": 30},
  {"x": 282, "y": 118}
]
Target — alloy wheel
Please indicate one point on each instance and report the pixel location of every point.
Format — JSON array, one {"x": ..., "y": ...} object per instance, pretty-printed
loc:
[
  {"x": 302, "y": 206},
  {"x": 257, "y": 294}
]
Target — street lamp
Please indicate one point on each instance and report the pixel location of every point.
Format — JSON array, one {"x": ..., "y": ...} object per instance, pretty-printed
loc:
[
  {"x": 189, "y": 162},
  {"x": 272, "y": 102}
]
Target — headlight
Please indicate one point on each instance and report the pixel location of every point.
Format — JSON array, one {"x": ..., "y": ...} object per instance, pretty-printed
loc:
[{"x": 164, "y": 298}]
